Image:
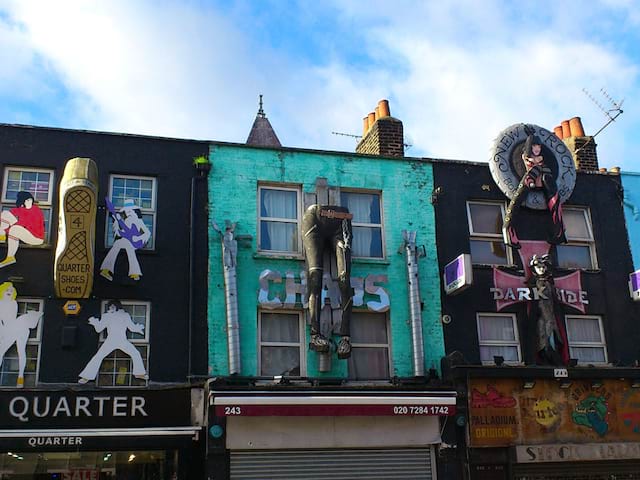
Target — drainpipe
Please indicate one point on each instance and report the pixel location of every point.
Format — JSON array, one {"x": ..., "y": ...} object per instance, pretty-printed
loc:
[
  {"x": 202, "y": 167},
  {"x": 414, "y": 301},
  {"x": 229, "y": 253}
]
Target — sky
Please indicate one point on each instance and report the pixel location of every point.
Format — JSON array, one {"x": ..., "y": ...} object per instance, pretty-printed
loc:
[{"x": 455, "y": 72}]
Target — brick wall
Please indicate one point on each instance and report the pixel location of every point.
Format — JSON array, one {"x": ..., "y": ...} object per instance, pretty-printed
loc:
[
  {"x": 584, "y": 153},
  {"x": 385, "y": 137}
]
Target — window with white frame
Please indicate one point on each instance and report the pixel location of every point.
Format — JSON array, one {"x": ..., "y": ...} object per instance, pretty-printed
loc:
[
  {"x": 366, "y": 208},
  {"x": 281, "y": 343},
  {"x": 117, "y": 368},
  {"x": 279, "y": 219},
  {"x": 498, "y": 337},
  {"x": 143, "y": 192},
  {"x": 38, "y": 182},
  {"x": 485, "y": 233},
  {"x": 586, "y": 339},
  {"x": 580, "y": 249},
  {"x": 9, "y": 369},
  {"x": 370, "y": 353}
]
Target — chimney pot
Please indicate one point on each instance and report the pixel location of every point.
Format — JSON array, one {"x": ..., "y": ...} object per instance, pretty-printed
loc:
[
  {"x": 575, "y": 125},
  {"x": 383, "y": 108},
  {"x": 377, "y": 111},
  {"x": 372, "y": 119},
  {"x": 558, "y": 131},
  {"x": 566, "y": 129},
  {"x": 603, "y": 170},
  {"x": 615, "y": 170},
  {"x": 365, "y": 125}
]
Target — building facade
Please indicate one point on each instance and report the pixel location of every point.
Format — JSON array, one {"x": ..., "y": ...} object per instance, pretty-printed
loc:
[
  {"x": 522, "y": 415},
  {"x": 103, "y": 328},
  {"x": 275, "y": 403}
]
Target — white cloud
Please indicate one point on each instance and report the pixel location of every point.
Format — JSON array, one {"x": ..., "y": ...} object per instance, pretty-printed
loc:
[{"x": 456, "y": 73}]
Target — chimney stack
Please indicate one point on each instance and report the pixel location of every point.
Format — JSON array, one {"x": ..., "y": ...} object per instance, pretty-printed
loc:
[
  {"x": 383, "y": 134},
  {"x": 582, "y": 147}
]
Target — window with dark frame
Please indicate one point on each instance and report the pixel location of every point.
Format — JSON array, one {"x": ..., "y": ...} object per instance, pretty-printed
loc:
[
  {"x": 498, "y": 336},
  {"x": 39, "y": 183},
  {"x": 366, "y": 208},
  {"x": 117, "y": 368},
  {"x": 485, "y": 233},
  {"x": 585, "y": 335},
  {"x": 279, "y": 219},
  {"x": 281, "y": 343},
  {"x": 142, "y": 190},
  {"x": 370, "y": 354},
  {"x": 9, "y": 369},
  {"x": 580, "y": 249}
]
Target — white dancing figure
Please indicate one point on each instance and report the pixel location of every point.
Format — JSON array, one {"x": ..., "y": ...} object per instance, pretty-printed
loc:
[
  {"x": 14, "y": 328},
  {"x": 116, "y": 321}
]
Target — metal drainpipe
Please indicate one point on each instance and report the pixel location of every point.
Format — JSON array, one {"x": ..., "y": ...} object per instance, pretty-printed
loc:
[
  {"x": 229, "y": 253},
  {"x": 414, "y": 302}
]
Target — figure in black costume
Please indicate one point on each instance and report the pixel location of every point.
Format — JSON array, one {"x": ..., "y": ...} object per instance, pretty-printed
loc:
[
  {"x": 537, "y": 176},
  {"x": 549, "y": 344},
  {"x": 328, "y": 226}
]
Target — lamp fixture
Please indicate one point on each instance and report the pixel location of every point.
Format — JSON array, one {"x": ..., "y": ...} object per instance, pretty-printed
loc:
[
  {"x": 573, "y": 362},
  {"x": 596, "y": 384},
  {"x": 565, "y": 384},
  {"x": 498, "y": 360},
  {"x": 635, "y": 383},
  {"x": 529, "y": 384}
]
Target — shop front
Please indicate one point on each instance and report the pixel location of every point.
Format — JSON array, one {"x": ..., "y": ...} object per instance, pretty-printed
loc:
[
  {"x": 343, "y": 435},
  {"x": 101, "y": 434},
  {"x": 554, "y": 428}
]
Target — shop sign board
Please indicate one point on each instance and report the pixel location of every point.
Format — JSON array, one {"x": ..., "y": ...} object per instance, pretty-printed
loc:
[
  {"x": 62, "y": 409},
  {"x": 577, "y": 452},
  {"x": 502, "y": 412},
  {"x": 458, "y": 274}
]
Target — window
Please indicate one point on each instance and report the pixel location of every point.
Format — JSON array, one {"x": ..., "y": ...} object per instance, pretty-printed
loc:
[
  {"x": 10, "y": 364},
  {"x": 281, "y": 344},
  {"x": 586, "y": 339},
  {"x": 142, "y": 190},
  {"x": 279, "y": 213},
  {"x": 366, "y": 223},
  {"x": 485, "y": 233},
  {"x": 38, "y": 182},
  {"x": 117, "y": 368},
  {"x": 498, "y": 336},
  {"x": 370, "y": 341},
  {"x": 580, "y": 250}
]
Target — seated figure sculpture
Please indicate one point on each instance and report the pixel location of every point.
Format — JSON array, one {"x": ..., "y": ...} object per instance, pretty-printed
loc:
[{"x": 327, "y": 226}]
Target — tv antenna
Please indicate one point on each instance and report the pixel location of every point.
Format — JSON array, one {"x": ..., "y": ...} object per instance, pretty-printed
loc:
[
  {"x": 358, "y": 137},
  {"x": 610, "y": 113}
]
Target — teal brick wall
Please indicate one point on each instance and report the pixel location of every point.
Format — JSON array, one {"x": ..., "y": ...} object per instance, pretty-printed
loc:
[{"x": 406, "y": 187}]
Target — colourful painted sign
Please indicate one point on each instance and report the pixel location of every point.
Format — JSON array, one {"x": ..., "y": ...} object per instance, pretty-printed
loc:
[{"x": 503, "y": 412}]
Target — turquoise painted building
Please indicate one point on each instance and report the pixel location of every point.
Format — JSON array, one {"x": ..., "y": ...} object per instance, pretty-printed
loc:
[
  {"x": 264, "y": 192},
  {"x": 631, "y": 186}
]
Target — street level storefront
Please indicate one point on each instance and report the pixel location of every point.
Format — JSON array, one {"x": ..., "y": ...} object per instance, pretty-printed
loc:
[
  {"x": 556, "y": 425},
  {"x": 344, "y": 434},
  {"x": 101, "y": 434}
]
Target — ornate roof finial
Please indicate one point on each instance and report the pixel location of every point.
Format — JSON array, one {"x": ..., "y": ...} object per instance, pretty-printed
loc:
[{"x": 260, "y": 110}]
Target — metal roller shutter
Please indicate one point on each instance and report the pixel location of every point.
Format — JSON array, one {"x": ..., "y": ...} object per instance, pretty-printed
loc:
[{"x": 335, "y": 464}]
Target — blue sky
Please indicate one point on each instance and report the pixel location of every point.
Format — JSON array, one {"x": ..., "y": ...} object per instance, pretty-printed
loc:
[{"x": 455, "y": 72}]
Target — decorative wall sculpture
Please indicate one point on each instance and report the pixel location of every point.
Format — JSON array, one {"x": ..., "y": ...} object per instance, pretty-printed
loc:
[
  {"x": 15, "y": 328},
  {"x": 130, "y": 234},
  {"x": 73, "y": 267},
  {"x": 116, "y": 321},
  {"x": 24, "y": 223},
  {"x": 328, "y": 227},
  {"x": 534, "y": 169}
]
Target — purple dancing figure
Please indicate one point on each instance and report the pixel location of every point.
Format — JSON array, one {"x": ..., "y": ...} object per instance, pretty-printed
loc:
[
  {"x": 538, "y": 176},
  {"x": 328, "y": 226}
]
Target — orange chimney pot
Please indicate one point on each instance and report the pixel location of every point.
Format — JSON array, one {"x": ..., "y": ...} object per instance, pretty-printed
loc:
[
  {"x": 365, "y": 125},
  {"x": 372, "y": 119},
  {"x": 558, "y": 131},
  {"x": 575, "y": 125},
  {"x": 383, "y": 108},
  {"x": 566, "y": 130}
]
